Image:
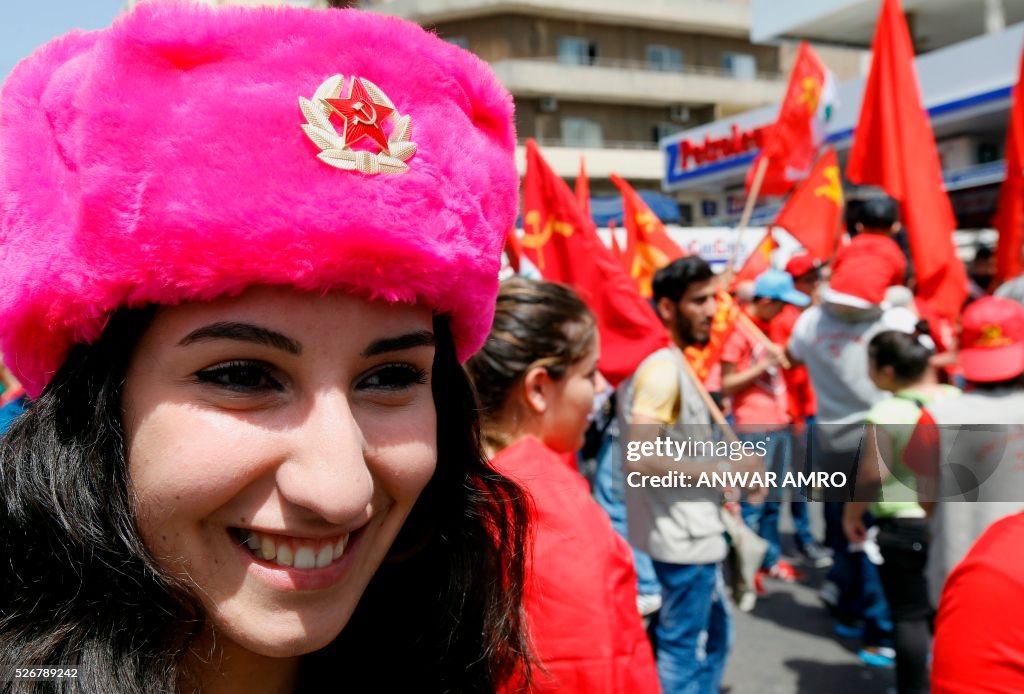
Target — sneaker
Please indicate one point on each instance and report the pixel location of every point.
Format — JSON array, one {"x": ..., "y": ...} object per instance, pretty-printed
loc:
[
  {"x": 648, "y": 604},
  {"x": 816, "y": 555},
  {"x": 747, "y": 601},
  {"x": 784, "y": 571},
  {"x": 877, "y": 656}
]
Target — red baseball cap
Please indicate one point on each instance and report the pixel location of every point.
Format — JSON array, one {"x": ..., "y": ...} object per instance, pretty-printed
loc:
[
  {"x": 801, "y": 264},
  {"x": 992, "y": 340}
]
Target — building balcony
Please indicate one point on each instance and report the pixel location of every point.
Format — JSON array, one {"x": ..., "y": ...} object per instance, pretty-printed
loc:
[
  {"x": 718, "y": 17},
  {"x": 636, "y": 83},
  {"x": 634, "y": 161}
]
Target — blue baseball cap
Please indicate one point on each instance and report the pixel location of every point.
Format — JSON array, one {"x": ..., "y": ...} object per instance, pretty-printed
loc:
[{"x": 776, "y": 284}]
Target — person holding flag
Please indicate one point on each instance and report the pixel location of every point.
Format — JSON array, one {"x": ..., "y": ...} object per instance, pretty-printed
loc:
[
  {"x": 752, "y": 378},
  {"x": 681, "y": 529}
]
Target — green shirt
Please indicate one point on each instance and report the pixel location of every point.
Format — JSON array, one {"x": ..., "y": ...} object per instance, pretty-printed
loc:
[{"x": 897, "y": 417}]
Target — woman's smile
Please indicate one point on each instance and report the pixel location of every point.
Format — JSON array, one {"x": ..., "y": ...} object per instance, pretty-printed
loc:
[{"x": 286, "y": 562}]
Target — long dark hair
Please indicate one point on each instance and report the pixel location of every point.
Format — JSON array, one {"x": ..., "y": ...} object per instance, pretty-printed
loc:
[
  {"x": 79, "y": 589},
  {"x": 536, "y": 323}
]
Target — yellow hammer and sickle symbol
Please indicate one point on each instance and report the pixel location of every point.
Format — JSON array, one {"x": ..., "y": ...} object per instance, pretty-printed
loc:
[
  {"x": 831, "y": 190},
  {"x": 812, "y": 92},
  {"x": 536, "y": 238},
  {"x": 645, "y": 222},
  {"x": 366, "y": 109}
]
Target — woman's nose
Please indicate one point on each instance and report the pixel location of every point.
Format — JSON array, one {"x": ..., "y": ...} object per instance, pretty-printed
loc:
[{"x": 326, "y": 470}]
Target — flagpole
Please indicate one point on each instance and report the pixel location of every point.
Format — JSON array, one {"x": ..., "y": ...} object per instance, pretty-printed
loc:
[
  {"x": 748, "y": 209},
  {"x": 716, "y": 414},
  {"x": 759, "y": 335}
]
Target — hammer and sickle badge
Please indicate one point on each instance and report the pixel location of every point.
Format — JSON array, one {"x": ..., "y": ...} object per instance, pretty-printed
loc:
[{"x": 362, "y": 113}]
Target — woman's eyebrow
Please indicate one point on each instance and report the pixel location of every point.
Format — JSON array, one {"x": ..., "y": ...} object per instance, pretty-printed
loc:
[
  {"x": 246, "y": 332},
  {"x": 422, "y": 338}
]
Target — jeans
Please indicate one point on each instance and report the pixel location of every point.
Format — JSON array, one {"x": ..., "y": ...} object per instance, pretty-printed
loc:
[
  {"x": 694, "y": 630},
  {"x": 609, "y": 492},
  {"x": 861, "y": 595},
  {"x": 763, "y": 518},
  {"x": 799, "y": 508}
]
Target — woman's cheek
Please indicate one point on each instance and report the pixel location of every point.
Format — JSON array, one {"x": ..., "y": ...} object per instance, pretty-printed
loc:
[
  {"x": 402, "y": 456},
  {"x": 184, "y": 464}
]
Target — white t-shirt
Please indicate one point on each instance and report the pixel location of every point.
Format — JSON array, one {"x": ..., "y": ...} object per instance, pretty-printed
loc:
[{"x": 833, "y": 343}]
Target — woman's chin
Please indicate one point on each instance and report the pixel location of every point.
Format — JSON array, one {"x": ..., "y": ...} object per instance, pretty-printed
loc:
[{"x": 283, "y": 636}]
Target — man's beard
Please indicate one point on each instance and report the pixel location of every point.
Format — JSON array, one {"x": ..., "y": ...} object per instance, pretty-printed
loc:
[{"x": 684, "y": 329}]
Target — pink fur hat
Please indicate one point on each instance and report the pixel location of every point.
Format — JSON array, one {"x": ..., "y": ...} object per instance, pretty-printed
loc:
[{"x": 168, "y": 159}]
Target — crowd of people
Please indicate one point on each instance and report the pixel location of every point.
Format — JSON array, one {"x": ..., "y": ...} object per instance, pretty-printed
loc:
[{"x": 297, "y": 435}]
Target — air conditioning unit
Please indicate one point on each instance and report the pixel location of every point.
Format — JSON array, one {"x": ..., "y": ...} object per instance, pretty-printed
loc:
[
  {"x": 680, "y": 114},
  {"x": 549, "y": 104}
]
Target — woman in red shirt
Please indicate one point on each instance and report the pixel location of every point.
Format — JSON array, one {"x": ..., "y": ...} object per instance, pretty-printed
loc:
[{"x": 536, "y": 377}]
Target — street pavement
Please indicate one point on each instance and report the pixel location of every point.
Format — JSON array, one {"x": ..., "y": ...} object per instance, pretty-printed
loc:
[{"x": 786, "y": 644}]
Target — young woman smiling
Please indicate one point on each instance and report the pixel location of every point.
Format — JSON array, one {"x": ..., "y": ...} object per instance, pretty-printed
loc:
[{"x": 252, "y": 463}]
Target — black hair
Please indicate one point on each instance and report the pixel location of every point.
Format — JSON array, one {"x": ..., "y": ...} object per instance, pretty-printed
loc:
[
  {"x": 983, "y": 253},
  {"x": 79, "y": 589},
  {"x": 904, "y": 352},
  {"x": 879, "y": 212},
  {"x": 672, "y": 281},
  {"x": 535, "y": 324}
]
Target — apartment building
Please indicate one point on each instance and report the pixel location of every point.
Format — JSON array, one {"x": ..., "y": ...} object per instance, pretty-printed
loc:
[{"x": 608, "y": 79}]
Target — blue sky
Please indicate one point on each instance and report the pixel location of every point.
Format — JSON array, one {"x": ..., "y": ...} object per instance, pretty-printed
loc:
[{"x": 25, "y": 24}]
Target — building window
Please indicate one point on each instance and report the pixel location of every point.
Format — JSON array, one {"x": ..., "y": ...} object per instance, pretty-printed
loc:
[
  {"x": 740, "y": 65},
  {"x": 581, "y": 132},
  {"x": 663, "y": 130},
  {"x": 664, "y": 58},
  {"x": 460, "y": 41},
  {"x": 574, "y": 50}
]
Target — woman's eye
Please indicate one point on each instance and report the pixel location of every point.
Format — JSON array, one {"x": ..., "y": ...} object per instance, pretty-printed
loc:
[
  {"x": 243, "y": 377},
  {"x": 394, "y": 377}
]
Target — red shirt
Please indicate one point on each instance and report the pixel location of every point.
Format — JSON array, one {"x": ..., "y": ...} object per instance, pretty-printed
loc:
[
  {"x": 979, "y": 631},
  {"x": 580, "y": 597},
  {"x": 802, "y": 403},
  {"x": 763, "y": 404}
]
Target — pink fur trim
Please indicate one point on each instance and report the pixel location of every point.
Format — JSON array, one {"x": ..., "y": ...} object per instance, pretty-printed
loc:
[{"x": 162, "y": 161}]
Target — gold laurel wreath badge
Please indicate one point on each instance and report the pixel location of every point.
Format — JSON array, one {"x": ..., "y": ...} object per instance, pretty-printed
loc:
[{"x": 335, "y": 152}]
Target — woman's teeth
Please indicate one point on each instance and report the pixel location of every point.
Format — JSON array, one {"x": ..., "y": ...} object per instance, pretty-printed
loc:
[{"x": 296, "y": 552}]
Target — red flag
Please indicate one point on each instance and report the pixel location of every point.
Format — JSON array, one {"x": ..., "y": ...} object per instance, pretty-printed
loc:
[
  {"x": 616, "y": 249},
  {"x": 583, "y": 190},
  {"x": 812, "y": 214},
  {"x": 792, "y": 141},
  {"x": 565, "y": 248},
  {"x": 1009, "y": 217},
  {"x": 648, "y": 245},
  {"x": 893, "y": 147},
  {"x": 513, "y": 249},
  {"x": 759, "y": 260}
]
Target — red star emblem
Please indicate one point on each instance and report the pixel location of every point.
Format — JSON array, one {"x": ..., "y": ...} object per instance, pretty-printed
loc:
[{"x": 361, "y": 116}]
